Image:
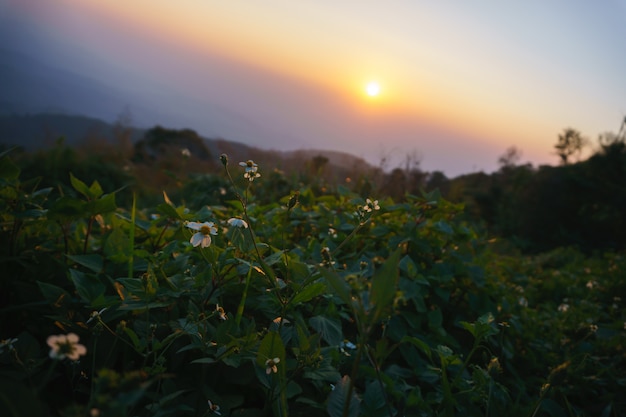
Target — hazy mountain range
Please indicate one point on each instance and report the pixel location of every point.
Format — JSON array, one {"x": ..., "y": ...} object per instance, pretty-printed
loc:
[{"x": 40, "y": 103}]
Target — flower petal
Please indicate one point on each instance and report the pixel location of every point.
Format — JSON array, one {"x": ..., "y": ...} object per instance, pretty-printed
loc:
[{"x": 196, "y": 239}]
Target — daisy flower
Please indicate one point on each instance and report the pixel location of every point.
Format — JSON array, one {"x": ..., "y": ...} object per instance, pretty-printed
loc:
[
  {"x": 270, "y": 365},
  {"x": 237, "y": 222},
  {"x": 203, "y": 235},
  {"x": 66, "y": 346}
]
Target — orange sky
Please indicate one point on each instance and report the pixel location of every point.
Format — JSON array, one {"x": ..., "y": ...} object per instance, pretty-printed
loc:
[{"x": 459, "y": 83}]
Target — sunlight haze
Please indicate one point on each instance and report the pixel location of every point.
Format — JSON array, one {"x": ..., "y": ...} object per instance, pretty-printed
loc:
[{"x": 458, "y": 82}]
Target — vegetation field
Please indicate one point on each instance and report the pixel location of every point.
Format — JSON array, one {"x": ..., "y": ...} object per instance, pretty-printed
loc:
[{"x": 247, "y": 291}]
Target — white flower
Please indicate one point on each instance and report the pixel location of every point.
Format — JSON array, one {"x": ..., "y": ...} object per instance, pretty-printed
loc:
[
  {"x": 214, "y": 408},
  {"x": 371, "y": 205},
  {"x": 237, "y": 222},
  {"x": 251, "y": 169},
  {"x": 563, "y": 307},
  {"x": 346, "y": 344},
  {"x": 65, "y": 346},
  {"x": 249, "y": 165},
  {"x": 203, "y": 236},
  {"x": 250, "y": 176},
  {"x": 96, "y": 314},
  {"x": 185, "y": 152},
  {"x": 270, "y": 365}
]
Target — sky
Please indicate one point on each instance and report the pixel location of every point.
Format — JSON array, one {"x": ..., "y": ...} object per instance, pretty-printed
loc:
[{"x": 460, "y": 81}]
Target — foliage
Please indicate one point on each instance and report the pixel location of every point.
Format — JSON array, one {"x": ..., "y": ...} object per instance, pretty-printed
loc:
[{"x": 319, "y": 301}]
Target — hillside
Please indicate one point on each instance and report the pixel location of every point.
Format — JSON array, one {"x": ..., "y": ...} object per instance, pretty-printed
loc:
[{"x": 40, "y": 131}]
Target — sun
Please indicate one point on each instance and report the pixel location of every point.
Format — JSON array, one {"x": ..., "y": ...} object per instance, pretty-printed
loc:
[{"x": 372, "y": 89}]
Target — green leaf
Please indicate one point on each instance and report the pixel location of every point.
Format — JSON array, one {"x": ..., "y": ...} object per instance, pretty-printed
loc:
[
  {"x": 384, "y": 284},
  {"x": 80, "y": 186},
  {"x": 204, "y": 360},
  {"x": 139, "y": 346},
  {"x": 168, "y": 211},
  {"x": 308, "y": 293},
  {"x": 339, "y": 285},
  {"x": 341, "y": 398},
  {"x": 330, "y": 330},
  {"x": 88, "y": 287},
  {"x": 95, "y": 191},
  {"x": 116, "y": 246},
  {"x": 483, "y": 327},
  {"x": 67, "y": 208},
  {"x": 271, "y": 347},
  {"x": 52, "y": 293},
  {"x": 133, "y": 285},
  {"x": 8, "y": 169},
  {"x": 418, "y": 343},
  {"x": 374, "y": 397},
  {"x": 102, "y": 205},
  {"x": 92, "y": 262}
]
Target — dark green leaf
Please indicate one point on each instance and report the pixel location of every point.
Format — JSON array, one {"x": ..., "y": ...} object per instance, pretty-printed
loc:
[
  {"x": 341, "y": 398},
  {"x": 87, "y": 286},
  {"x": 384, "y": 284},
  {"x": 309, "y": 292},
  {"x": 271, "y": 347},
  {"x": 329, "y": 329},
  {"x": 92, "y": 262},
  {"x": 80, "y": 186}
]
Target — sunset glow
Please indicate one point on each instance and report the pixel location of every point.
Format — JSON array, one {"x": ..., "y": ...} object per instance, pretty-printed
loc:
[
  {"x": 263, "y": 73},
  {"x": 372, "y": 89}
]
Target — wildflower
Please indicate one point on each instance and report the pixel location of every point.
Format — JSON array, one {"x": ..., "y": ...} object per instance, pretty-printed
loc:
[
  {"x": 590, "y": 284},
  {"x": 96, "y": 314},
  {"x": 203, "y": 235},
  {"x": 66, "y": 346},
  {"x": 214, "y": 408},
  {"x": 7, "y": 343},
  {"x": 238, "y": 222},
  {"x": 371, "y": 205},
  {"x": 185, "y": 152},
  {"x": 251, "y": 169},
  {"x": 326, "y": 253},
  {"x": 270, "y": 365},
  {"x": 332, "y": 233},
  {"x": 523, "y": 302},
  {"x": 221, "y": 312},
  {"x": 224, "y": 159},
  {"x": 563, "y": 308},
  {"x": 346, "y": 344},
  {"x": 593, "y": 328}
]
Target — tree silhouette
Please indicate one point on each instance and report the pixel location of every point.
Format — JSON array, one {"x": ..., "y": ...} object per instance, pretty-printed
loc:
[
  {"x": 510, "y": 158},
  {"x": 570, "y": 142}
]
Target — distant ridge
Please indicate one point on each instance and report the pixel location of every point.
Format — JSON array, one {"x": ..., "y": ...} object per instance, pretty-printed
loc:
[{"x": 41, "y": 131}]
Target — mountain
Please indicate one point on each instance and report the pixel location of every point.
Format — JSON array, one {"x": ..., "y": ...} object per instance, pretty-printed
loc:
[{"x": 40, "y": 131}]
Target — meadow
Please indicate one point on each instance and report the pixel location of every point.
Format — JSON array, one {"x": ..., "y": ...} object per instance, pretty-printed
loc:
[{"x": 248, "y": 293}]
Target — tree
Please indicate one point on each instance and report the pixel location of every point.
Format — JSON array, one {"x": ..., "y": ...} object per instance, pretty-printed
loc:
[
  {"x": 510, "y": 158},
  {"x": 570, "y": 142}
]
